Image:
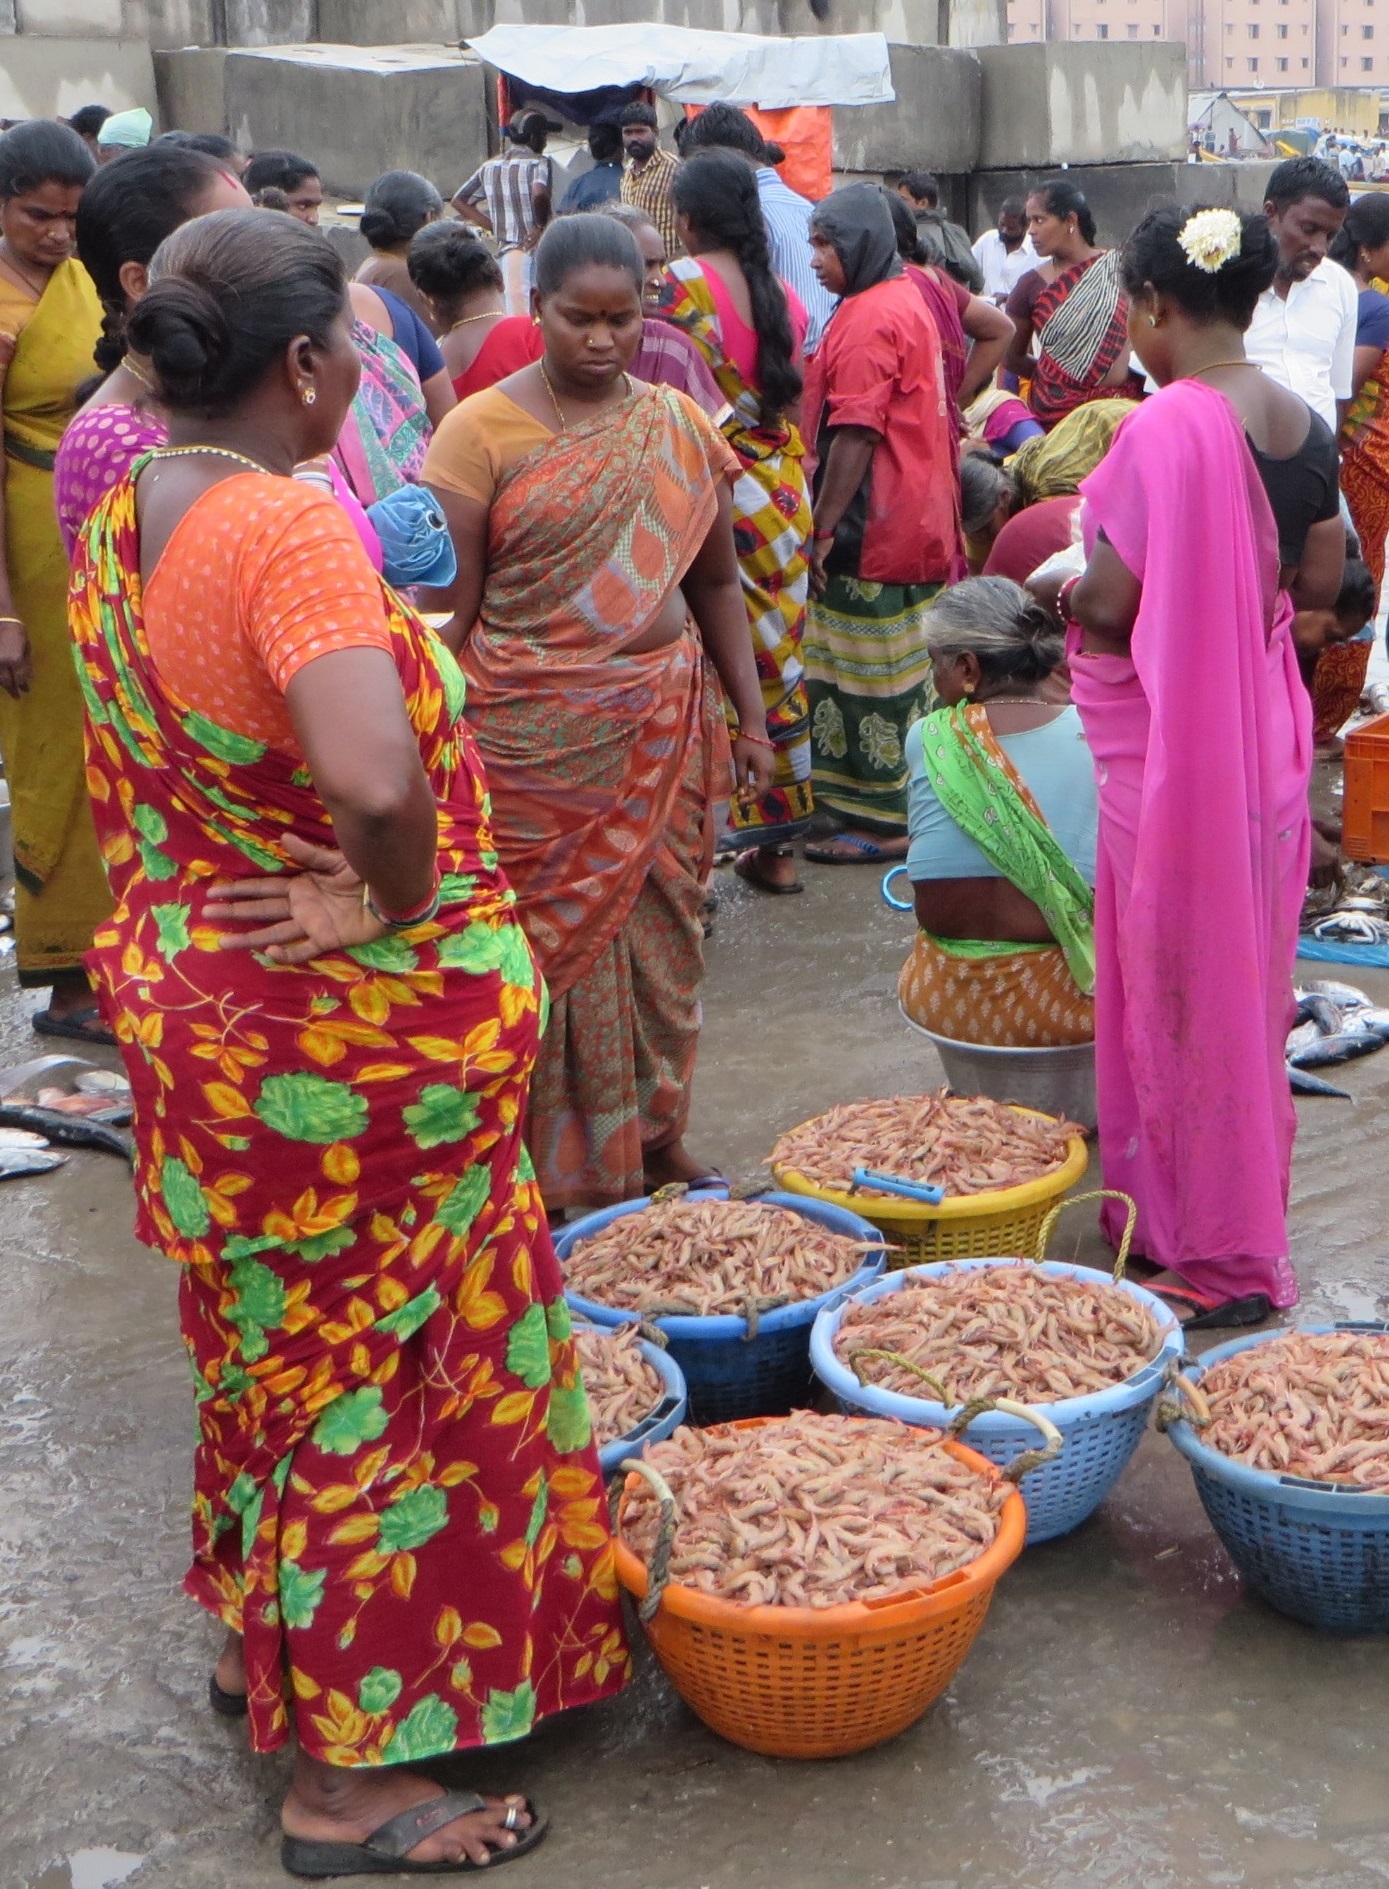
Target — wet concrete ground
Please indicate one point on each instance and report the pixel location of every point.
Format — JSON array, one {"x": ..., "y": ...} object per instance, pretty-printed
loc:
[{"x": 1129, "y": 1719}]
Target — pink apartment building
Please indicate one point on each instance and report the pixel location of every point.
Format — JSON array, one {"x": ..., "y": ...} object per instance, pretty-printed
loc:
[{"x": 1234, "y": 44}]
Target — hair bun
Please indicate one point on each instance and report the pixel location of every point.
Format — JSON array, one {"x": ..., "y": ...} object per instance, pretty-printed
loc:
[{"x": 182, "y": 328}]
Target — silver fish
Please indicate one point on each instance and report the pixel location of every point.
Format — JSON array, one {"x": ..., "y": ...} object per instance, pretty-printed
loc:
[
  {"x": 1345, "y": 995},
  {"x": 21, "y": 1138},
  {"x": 17, "y": 1162},
  {"x": 1305, "y": 1084},
  {"x": 1342, "y": 1048}
]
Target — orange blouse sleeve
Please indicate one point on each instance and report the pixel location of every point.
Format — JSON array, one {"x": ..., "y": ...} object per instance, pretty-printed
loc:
[{"x": 306, "y": 586}]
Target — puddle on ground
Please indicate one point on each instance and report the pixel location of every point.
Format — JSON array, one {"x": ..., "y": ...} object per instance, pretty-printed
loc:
[{"x": 89, "y": 1869}]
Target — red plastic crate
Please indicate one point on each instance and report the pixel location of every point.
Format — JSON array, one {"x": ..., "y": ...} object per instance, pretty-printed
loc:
[{"x": 1365, "y": 815}]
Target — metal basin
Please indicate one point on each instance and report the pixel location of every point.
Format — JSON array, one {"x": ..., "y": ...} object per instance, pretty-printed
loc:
[{"x": 1055, "y": 1081}]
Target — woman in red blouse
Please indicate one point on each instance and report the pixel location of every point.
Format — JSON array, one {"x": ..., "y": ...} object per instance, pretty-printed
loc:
[{"x": 887, "y": 524}]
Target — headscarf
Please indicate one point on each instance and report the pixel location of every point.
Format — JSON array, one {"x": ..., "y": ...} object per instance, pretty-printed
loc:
[
  {"x": 859, "y": 224},
  {"x": 130, "y": 130}
]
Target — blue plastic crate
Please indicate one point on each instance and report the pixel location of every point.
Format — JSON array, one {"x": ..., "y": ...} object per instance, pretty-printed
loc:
[
  {"x": 662, "y": 1422},
  {"x": 1101, "y": 1431},
  {"x": 727, "y": 1375},
  {"x": 1317, "y": 1551}
]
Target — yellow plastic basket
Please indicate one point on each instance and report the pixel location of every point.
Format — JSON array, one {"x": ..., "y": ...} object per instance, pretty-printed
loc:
[{"x": 971, "y": 1226}]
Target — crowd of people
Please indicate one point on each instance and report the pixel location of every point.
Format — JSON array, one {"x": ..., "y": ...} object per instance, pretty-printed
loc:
[{"x": 386, "y": 664}]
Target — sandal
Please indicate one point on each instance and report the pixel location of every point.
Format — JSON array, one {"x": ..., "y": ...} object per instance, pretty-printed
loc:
[
  {"x": 83, "y": 1025},
  {"x": 748, "y": 869},
  {"x": 864, "y": 852},
  {"x": 225, "y": 1704},
  {"x": 1212, "y": 1314},
  {"x": 385, "y": 1850}
]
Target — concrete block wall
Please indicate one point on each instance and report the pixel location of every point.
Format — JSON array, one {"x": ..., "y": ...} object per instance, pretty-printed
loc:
[
  {"x": 1082, "y": 102},
  {"x": 46, "y": 76},
  {"x": 1122, "y": 194},
  {"x": 935, "y": 119},
  {"x": 360, "y": 110}
]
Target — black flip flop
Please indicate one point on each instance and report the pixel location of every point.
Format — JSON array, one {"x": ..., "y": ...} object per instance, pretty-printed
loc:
[
  {"x": 1234, "y": 1315},
  {"x": 225, "y": 1704},
  {"x": 385, "y": 1850},
  {"x": 75, "y": 1026}
]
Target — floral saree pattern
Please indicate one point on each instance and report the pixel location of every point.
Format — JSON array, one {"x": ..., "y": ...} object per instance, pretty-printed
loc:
[{"x": 396, "y": 1497}]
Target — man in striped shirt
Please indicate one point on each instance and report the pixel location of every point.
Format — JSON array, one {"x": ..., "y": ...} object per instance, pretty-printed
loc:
[
  {"x": 786, "y": 215},
  {"x": 649, "y": 178}
]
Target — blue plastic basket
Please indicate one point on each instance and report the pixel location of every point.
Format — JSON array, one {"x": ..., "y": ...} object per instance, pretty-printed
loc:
[
  {"x": 727, "y": 1375},
  {"x": 1318, "y": 1551},
  {"x": 1101, "y": 1431},
  {"x": 668, "y": 1415}
]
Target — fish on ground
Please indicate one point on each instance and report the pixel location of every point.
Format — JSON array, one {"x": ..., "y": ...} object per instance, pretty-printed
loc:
[{"x": 69, "y": 1131}]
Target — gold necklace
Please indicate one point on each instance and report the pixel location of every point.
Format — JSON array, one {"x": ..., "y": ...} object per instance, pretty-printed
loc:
[
  {"x": 138, "y": 373},
  {"x": 554, "y": 402},
  {"x": 1211, "y": 366},
  {"x": 213, "y": 452},
  {"x": 491, "y": 315}
]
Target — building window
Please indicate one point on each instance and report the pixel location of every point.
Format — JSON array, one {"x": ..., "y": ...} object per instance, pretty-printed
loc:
[
  {"x": 1304, "y": 65},
  {"x": 1103, "y": 32},
  {"x": 1253, "y": 65},
  {"x": 1367, "y": 32},
  {"x": 1282, "y": 65},
  {"x": 1254, "y": 32},
  {"x": 1157, "y": 32},
  {"x": 1228, "y": 64},
  {"x": 1282, "y": 32},
  {"x": 1367, "y": 65},
  {"x": 1133, "y": 32},
  {"x": 1344, "y": 31}
]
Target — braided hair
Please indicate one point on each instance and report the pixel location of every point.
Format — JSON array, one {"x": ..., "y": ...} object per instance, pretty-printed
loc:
[{"x": 717, "y": 190}]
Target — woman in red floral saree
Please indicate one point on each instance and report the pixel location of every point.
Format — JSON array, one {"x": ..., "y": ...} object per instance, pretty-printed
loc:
[{"x": 398, "y": 1510}]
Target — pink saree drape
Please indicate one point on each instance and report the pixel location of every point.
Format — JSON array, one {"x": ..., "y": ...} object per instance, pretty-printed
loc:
[{"x": 1202, "y": 747}]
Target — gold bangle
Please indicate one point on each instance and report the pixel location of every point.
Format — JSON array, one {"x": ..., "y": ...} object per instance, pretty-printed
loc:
[{"x": 18, "y": 620}]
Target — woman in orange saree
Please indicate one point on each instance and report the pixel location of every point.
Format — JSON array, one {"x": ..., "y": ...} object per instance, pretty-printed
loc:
[
  {"x": 592, "y": 516},
  {"x": 398, "y": 1513}
]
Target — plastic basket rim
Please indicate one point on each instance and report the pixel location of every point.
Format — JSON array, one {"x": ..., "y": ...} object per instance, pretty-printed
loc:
[
  {"x": 695, "y": 1327},
  {"x": 672, "y": 1378},
  {"x": 852, "y": 1617},
  {"x": 1142, "y": 1386},
  {"x": 1344, "y": 1501},
  {"x": 906, "y": 1212}
]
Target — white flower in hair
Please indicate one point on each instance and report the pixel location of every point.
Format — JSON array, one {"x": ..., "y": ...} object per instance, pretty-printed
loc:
[{"x": 1211, "y": 238}]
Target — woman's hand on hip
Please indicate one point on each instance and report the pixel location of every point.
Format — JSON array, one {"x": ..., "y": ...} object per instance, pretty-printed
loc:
[
  {"x": 754, "y": 764},
  {"x": 301, "y": 915},
  {"x": 16, "y": 658}
]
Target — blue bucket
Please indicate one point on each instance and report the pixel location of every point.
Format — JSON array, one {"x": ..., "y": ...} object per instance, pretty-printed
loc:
[
  {"x": 659, "y": 1423},
  {"x": 1317, "y": 1551},
  {"x": 1101, "y": 1431},
  {"x": 727, "y": 1375}
]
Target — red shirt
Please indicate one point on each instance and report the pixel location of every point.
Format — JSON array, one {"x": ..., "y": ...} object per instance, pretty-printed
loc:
[{"x": 879, "y": 367}]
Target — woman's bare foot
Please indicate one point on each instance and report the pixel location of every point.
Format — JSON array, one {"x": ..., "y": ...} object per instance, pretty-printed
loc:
[
  {"x": 769, "y": 868},
  {"x": 668, "y": 1166},
  {"x": 230, "y": 1670},
  {"x": 329, "y": 1804}
]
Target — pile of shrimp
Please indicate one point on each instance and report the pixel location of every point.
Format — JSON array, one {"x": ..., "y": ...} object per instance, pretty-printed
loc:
[
  {"x": 1313, "y": 1404},
  {"x": 965, "y": 1145},
  {"x": 996, "y": 1331},
  {"x": 623, "y": 1386},
  {"x": 703, "y": 1258},
  {"x": 814, "y": 1511}
]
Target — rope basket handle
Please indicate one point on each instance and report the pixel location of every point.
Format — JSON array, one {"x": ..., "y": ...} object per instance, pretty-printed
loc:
[
  {"x": 1197, "y": 1412},
  {"x": 1023, "y": 1465},
  {"x": 1074, "y": 1200},
  {"x": 658, "y": 1568},
  {"x": 895, "y": 1357}
]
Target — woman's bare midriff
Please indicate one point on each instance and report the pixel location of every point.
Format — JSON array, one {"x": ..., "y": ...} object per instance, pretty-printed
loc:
[{"x": 668, "y": 626}]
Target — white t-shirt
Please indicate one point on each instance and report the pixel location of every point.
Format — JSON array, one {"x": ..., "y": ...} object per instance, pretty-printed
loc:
[
  {"x": 1306, "y": 340},
  {"x": 1003, "y": 269}
]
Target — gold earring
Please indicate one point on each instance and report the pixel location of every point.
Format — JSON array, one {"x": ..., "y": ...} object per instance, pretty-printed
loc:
[
  {"x": 308, "y": 395},
  {"x": 1152, "y": 321}
]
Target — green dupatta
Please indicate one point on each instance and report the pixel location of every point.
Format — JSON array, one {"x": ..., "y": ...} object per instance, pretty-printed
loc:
[{"x": 989, "y": 801}]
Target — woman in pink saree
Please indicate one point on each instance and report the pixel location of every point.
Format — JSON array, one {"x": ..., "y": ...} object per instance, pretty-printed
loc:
[{"x": 1186, "y": 681}]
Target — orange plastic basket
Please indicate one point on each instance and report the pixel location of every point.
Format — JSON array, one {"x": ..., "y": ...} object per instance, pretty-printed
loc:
[
  {"x": 1365, "y": 810},
  {"x": 807, "y": 1682}
]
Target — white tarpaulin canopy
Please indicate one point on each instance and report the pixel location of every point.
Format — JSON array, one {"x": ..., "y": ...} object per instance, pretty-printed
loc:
[{"x": 694, "y": 67}]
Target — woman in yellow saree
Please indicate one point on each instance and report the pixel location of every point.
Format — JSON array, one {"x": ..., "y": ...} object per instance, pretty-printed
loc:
[
  {"x": 50, "y": 319},
  {"x": 593, "y": 519}
]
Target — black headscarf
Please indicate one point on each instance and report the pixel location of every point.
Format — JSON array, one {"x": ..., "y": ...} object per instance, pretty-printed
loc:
[{"x": 859, "y": 224}]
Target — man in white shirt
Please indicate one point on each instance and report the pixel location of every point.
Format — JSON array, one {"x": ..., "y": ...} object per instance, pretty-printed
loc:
[
  {"x": 1303, "y": 333},
  {"x": 1005, "y": 254}
]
